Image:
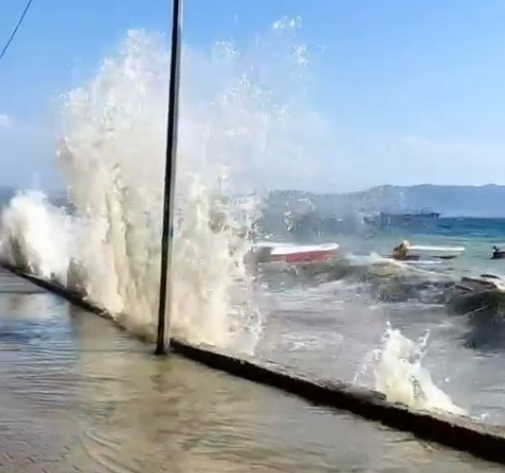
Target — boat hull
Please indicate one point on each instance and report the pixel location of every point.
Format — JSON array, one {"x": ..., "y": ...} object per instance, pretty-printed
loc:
[
  {"x": 301, "y": 256},
  {"x": 280, "y": 255},
  {"x": 428, "y": 253}
]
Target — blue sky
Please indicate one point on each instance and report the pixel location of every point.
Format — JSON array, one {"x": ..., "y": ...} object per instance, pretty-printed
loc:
[{"x": 415, "y": 90}]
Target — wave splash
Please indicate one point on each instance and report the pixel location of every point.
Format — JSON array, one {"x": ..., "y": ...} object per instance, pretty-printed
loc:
[
  {"x": 240, "y": 115},
  {"x": 241, "y": 112},
  {"x": 399, "y": 374}
]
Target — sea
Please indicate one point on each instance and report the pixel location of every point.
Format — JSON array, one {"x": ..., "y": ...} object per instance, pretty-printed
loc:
[{"x": 388, "y": 326}]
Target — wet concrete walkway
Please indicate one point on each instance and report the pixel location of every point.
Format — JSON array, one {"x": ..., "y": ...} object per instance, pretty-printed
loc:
[{"x": 79, "y": 395}]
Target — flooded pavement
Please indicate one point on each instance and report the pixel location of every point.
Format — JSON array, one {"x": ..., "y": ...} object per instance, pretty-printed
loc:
[{"x": 79, "y": 395}]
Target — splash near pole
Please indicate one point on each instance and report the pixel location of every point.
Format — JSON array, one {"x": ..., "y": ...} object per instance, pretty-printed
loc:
[{"x": 163, "y": 339}]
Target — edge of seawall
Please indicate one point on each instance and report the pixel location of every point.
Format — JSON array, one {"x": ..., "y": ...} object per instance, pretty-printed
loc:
[{"x": 487, "y": 442}]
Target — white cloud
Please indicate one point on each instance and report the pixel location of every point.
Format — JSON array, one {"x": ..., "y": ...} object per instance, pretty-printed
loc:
[{"x": 5, "y": 122}]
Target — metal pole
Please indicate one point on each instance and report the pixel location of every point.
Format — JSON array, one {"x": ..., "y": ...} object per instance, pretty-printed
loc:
[{"x": 169, "y": 186}]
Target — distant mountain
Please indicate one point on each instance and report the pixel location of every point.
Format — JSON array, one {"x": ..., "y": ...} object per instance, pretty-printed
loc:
[{"x": 450, "y": 201}]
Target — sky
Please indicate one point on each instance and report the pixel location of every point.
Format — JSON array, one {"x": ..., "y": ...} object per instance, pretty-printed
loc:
[{"x": 413, "y": 91}]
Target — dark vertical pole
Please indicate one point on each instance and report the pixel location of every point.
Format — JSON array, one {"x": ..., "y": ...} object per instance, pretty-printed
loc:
[{"x": 168, "y": 194}]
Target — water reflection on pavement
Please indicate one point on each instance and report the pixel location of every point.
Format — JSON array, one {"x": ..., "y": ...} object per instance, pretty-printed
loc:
[{"x": 79, "y": 395}]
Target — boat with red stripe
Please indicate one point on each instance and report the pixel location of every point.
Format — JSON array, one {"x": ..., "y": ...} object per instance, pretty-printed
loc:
[{"x": 271, "y": 253}]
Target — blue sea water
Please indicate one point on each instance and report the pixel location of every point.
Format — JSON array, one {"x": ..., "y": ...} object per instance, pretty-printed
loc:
[
  {"x": 487, "y": 229},
  {"x": 476, "y": 235},
  {"x": 333, "y": 326}
]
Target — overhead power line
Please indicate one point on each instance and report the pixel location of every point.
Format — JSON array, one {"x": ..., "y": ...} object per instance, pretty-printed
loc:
[{"x": 15, "y": 30}]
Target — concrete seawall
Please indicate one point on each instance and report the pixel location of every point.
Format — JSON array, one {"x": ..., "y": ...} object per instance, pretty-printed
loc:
[{"x": 487, "y": 442}]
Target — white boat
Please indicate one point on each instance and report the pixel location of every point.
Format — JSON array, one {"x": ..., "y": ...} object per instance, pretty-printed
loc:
[
  {"x": 451, "y": 251},
  {"x": 281, "y": 254},
  {"x": 424, "y": 253}
]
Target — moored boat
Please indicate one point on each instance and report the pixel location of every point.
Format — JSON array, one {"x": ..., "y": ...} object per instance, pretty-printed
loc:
[
  {"x": 407, "y": 252},
  {"x": 304, "y": 253},
  {"x": 498, "y": 253},
  {"x": 282, "y": 254}
]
